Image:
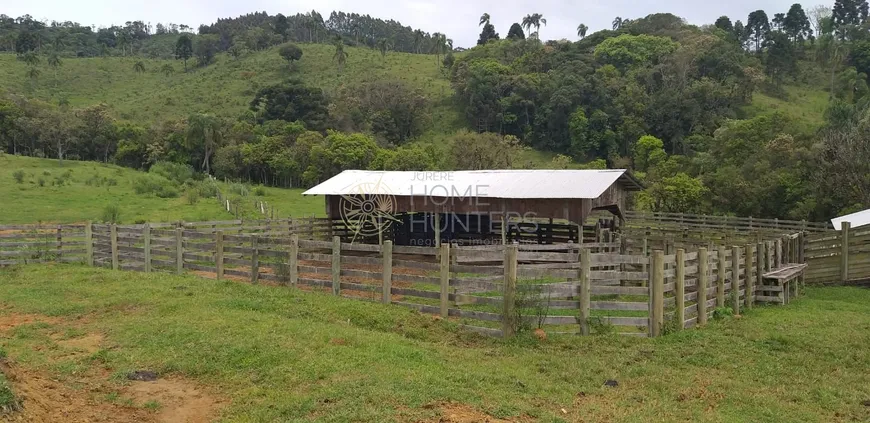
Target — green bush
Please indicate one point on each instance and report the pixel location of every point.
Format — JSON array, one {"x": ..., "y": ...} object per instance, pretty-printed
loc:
[
  {"x": 192, "y": 195},
  {"x": 239, "y": 189},
  {"x": 41, "y": 182},
  {"x": 259, "y": 191},
  {"x": 154, "y": 184},
  {"x": 176, "y": 172},
  {"x": 19, "y": 176},
  {"x": 112, "y": 213}
]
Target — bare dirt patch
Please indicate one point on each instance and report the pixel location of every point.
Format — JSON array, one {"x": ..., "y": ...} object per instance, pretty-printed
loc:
[
  {"x": 179, "y": 401},
  {"x": 89, "y": 343},
  {"x": 461, "y": 413},
  {"x": 45, "y": 400},
  {"x": 12, "y": 320}
]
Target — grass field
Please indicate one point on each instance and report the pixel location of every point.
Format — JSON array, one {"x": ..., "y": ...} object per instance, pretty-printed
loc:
[
  {"x": 91, "y": 186},
  {"x": 805, "y": 105},
  {"x": 267, "y": 353},
  {"x": 226, "y": 87}
]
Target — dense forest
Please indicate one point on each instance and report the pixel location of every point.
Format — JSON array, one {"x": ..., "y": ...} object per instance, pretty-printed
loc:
[{"x": 670, "y": 100}]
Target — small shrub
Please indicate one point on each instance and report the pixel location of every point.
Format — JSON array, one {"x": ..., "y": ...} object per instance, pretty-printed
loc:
[
  {"x": 176, "y": 172},
  {"x": 154, "y": 184},
  {"x": 599, "y": 326},
  {"x": 46, "y": 173},
  {"x": 192, "y": 196},
  {"x": 40, "y": 182},
  {"x": 111, "y": 182},
  {"x": 239, "y": 189},
  {"x": 112, "y": 214},
  {"x": 140, "y": 221},
  {"x": 259, "y": 191},
  {"x": 721, "y": 313},
  {"x": 18, "y": 175}
]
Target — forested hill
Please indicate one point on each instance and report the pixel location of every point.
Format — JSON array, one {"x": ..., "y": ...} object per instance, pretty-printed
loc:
[{"x": 762, "y": 118}]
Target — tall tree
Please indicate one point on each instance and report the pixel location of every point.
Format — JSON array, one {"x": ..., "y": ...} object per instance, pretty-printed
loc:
[
  {"x": 488, "y": 33},
  {"x": 484, "y": 19},
  {"x": 724, "y": 23},
  {"x": 184, "y": 49},
  {"x": 55, "y": 62},
  {"x": 340, "y": 55},
  {"x": 617, "y": 23},
  {"x": 290, "y": 53},
  {"x": 581, "y": 31},
  {"x": 281, "y": 26},
  {"x": 516, "y": 32},
  {"x": 758, "y": 25},
  {"x": 849, "y": 12},
  {"x": 797, "y": 25},
  {"x": 204, "y": 131},
  {"x": 383, "y": 46},
  {"x": 818, "y": 14}
]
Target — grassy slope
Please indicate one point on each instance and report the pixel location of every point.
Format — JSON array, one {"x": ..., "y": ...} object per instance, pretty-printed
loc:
[
  {"x": 77, "y": 201},
  {"x": 225, "y": 87},
  {"x": 805, "y": 105},
  {"x": 274, "y": 352}
]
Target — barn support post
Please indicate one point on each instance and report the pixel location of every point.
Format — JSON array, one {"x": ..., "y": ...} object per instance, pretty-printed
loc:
[
  {"x": 680, "y": 276},
  {"x": 703, "y": 272},
  {"x": 759, "y": 269},
  {"x": 508, "y": 317},
  {"x": 387, "y": 288},
  {"x": 845, "y": 227}
]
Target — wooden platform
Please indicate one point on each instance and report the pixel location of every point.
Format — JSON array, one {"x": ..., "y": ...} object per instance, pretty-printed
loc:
[{"x": 779, "y": 285}]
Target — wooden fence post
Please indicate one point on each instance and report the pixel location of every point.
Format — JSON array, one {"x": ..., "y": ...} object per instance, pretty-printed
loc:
[
  {"x": 59, "y": 242},
  {"x": 658, "y": 281},
  {"x": 179, "y": 250},
  {"x": 114, "y": 236},
  {"x": 735, "y": 277},
  {"x": 146, "y": 239},
  {"x": 720, "y": 276},
  {"x": 703, "y": 271},
  {"x": 387, "y": 289},
  {"x": 759, "y": 271},
  {"x": 749, "y": 287},
  {"x": 293, "y": 260},
  {"x": 585, "y": 288},
  {"x": 845, "y": 227},
  {"x": 219, "y": 254},
  {"x": 510, "y": 285},
  {"x": 680, "y": 276},
  {"x": 778, "y": 253},
  {"x": 89, "y": 243},
  {"x": 336, "y": 265},
  {"x": 445, "y": 278},
  {"x": 255, "y": 259}
]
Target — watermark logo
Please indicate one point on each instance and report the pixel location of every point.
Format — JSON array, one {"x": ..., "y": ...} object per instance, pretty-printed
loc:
[{"x": 369, "y": 209}]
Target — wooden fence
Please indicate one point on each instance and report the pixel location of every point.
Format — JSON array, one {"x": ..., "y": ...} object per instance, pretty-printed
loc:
[
  {"x": 721, "y": 223},
  {"x": 497, "y": 290},
  {"x": 838, "y": 256}
]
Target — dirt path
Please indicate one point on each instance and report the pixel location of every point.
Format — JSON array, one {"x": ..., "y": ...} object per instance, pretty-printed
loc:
[{"x": 91, "y": 397}]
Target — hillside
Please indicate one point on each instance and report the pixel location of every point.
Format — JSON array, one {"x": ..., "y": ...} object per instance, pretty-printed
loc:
[
  {"x": 78, "y": 191},
  {"x": 224, "y": 88}
]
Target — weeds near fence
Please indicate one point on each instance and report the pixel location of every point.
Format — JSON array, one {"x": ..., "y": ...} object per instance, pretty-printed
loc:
[{"x": 531, "y": 305}]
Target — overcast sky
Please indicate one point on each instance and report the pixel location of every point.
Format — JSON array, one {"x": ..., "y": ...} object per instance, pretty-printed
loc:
[{"x": 457, "y": 18}]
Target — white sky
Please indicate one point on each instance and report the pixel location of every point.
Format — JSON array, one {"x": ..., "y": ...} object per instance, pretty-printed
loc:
[{"x": 458, "y": 19}]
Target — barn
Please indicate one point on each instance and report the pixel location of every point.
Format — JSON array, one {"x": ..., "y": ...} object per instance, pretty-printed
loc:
[{"x": 468, "y": 207}]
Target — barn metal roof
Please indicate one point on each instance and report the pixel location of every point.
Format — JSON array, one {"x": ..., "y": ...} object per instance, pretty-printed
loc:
[
  {"x": 860, "y": 218},
  {"x": 518, "y": 184}
]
